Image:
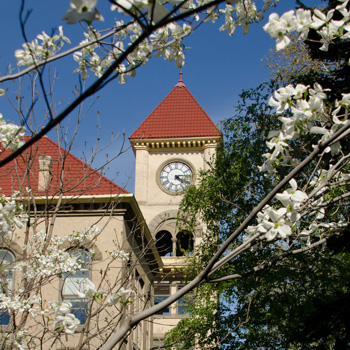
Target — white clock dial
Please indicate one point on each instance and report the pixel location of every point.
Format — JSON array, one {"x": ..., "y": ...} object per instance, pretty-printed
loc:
[{"x": 176, "y": 176}]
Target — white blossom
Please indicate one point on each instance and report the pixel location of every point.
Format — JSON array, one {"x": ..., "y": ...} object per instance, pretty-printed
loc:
[
  {"x": 11, "y": 135},
  {"x": 36, "y": 52},
  {"x": 12, "y": 215},
  {"x": 89, "y": 289},
  {"x": 319, "y": 18},
  {"x": 116, "y": 297},
  {"x": 278, "y": 27},
  {"x": 64, "y": 320},
  {"x": 292, "y": 199},
  {"x": 82, "y": 10},
  {"x": 274, "y": 224}
]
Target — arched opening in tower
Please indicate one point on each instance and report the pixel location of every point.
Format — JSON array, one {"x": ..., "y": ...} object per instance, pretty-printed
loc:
[
  {"x": 164, "y": 243},
  {"x": 184, "y": 243}
]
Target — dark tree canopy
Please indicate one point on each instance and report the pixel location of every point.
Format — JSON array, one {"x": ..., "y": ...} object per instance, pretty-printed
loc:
[{"x": 301, "y": 302}]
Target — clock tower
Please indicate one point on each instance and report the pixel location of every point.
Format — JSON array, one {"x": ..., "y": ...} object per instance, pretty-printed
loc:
[
  {"x": 171, "y": 146},
  {"x": 173, "y": 143}
]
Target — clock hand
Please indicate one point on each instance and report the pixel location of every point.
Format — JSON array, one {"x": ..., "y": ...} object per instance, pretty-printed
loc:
[
  {"x": 185, "y": 178},
  {"x": 177, "y": 177}
]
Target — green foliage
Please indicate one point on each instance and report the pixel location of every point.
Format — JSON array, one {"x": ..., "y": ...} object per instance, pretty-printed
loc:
[
  {"x": 194, "y": 330},
  {"x": 301, "y": 302},
  {"x": 296, "y": 304}
]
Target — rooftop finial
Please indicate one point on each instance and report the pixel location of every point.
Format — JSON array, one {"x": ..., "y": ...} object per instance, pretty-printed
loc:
[{"x": 180, "y": 83}]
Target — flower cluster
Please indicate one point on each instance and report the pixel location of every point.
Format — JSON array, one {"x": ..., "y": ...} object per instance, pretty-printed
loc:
[
  {"x": 89, "y": 232},
  {"x": 165, "y": 41},
  {"x": 297, "y": 212},
  {"x": 36, "y": 51},
  {"x": 52, "y": 260},
  {"x": 16, "y": 338},
  {"x": 246, "y": 12},
  {"x": 89, "y": 291},
  {"x": 310, "y": 115},
  {"x": 302, "y": 21},
  {"x": 47, "y": 260},
  {"x": 277, "y": 223},
  {"x": 114, "y": 254},
  {"x": 15, "y": 303},
  {"x": 64, "y": 320},
  {"x": 12, "y": 215},
  {"x": 51, "y": 263},
  {"x": 11, "y": 135}
]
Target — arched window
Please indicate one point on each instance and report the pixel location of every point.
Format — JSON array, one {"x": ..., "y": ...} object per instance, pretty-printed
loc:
[
  {"x": 164, "y": 243},
  {"x": 184, "y": 243},
  {"x": 6, "y": 281},
  {"x": 74, "y": 283}
]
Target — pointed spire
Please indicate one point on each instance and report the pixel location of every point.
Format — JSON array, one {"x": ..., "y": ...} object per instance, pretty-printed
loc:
[
  {"x": 179, "y": 115},
  {"x": 180, "y": 83}
]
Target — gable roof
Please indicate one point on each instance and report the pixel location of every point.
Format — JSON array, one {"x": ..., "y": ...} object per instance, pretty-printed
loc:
[
  {"x": 179, "y": 115},
  {"x": 78, "y": 177}
]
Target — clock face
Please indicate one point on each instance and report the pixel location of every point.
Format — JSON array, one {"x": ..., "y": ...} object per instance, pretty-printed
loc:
[{"x": 176, "y": 176}]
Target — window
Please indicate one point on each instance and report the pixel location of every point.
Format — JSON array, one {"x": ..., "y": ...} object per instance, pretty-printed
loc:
[
  {"x": 6, "y": 281},
  {"x": 162, "y": 292},
  {"x": 74, "y": 283},
  {"x": 183, "y": 303}
]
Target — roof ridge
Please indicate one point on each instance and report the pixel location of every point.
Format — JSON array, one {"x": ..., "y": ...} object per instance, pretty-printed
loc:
[
  {"x": 85, "y": 164},
  {"x": 79, "y": 177}
]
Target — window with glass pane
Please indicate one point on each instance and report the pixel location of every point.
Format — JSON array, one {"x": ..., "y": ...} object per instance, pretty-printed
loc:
[
  {"x": 161, "y": 292},
  {"x": 158, "y": 299},
  {"x": 6, "y": 281},
  {"x": 183, "y": 303},
  {"x": 74, "y": 283},
  {"x": 79, "y": 309}
]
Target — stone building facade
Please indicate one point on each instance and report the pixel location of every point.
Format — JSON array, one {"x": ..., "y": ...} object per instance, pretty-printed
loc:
[{"x": 171, "y": 146}]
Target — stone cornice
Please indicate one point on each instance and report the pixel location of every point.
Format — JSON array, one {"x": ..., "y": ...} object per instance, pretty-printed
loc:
[{"x": 181, "y": 143}]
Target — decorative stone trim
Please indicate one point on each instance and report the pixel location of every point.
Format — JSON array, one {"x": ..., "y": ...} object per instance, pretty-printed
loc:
[
  {"x": 163, "y": 144},
  {"x": 169, "y": 218},
  {"x": 86, "y": 244},
  {"x": 160, "y": 219}
]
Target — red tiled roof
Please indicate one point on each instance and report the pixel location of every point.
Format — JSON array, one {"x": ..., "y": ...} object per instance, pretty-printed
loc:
[
  {"x": 78, "y": 178},
  {"x": 179, "y": 115}
]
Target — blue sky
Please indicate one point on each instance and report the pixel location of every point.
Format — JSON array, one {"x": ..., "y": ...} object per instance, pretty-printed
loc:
[{"x": 217, "y": 68}]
